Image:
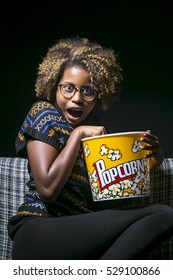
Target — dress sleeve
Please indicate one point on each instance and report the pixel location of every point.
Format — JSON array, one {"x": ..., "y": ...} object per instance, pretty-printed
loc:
[{"x": 44, "y": 123}]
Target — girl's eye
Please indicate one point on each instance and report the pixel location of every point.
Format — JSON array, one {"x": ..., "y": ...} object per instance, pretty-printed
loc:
[
  {"x": 69, "y": 88},
  {"x": 87, "y": 91}
]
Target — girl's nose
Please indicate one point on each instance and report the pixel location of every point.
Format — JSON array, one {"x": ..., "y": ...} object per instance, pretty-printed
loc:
[{"x": 77, "y": 97}]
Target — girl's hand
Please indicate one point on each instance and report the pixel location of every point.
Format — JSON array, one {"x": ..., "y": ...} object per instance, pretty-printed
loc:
[
  {"x": 152, "y": 145},
  {"x": 89, "y": 131}
]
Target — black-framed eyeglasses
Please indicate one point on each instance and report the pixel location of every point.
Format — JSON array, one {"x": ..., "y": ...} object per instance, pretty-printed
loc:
[{"x": 68, "y": 90}]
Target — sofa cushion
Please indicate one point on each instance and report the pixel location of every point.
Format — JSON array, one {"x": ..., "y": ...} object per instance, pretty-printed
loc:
[{"x": 13, "y": 176}]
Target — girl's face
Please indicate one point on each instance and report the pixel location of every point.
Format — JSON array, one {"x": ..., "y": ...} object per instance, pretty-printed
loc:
[{"x": 74, "y": 95}]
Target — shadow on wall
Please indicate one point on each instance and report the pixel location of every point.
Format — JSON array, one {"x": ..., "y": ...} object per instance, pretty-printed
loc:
[{"x": 133, "y": 114}]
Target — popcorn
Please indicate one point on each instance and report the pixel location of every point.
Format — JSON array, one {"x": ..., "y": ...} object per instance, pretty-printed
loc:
[
  {"x": 104, "y": 150},
  {"x": 86, "y": 150},
  {"x": 136, "y": 146},
  {"x": 112, "y": 154}
]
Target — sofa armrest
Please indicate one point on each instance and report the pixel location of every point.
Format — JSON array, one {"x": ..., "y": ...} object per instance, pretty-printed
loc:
[
  {"x": 13, "y": 177},
  {"x": 162, "y": 183},
  {"x": 162, "y": 193}
]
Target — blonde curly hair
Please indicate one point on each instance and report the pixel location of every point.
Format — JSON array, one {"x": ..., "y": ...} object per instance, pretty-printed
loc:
[{"x": 100, "y": 62}]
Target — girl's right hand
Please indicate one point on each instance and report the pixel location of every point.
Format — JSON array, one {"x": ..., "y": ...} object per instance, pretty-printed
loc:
[{"x": 89, "y": 131}]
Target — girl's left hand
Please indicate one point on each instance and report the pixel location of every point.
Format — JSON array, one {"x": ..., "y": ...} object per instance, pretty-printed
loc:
[{"x": 151, "y": 143}]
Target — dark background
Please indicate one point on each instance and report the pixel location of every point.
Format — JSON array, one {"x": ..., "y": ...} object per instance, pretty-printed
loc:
[{"x": 139, "y": 31}]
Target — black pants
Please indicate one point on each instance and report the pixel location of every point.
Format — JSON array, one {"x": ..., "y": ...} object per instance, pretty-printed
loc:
[{"x": 106, "y": 234}]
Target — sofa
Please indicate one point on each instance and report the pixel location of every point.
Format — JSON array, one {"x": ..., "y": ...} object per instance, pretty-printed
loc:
[{"x": 13, "y": 177}]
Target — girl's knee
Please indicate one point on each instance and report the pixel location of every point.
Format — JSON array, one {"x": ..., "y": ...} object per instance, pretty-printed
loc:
[{"x": 164, "y": 208}]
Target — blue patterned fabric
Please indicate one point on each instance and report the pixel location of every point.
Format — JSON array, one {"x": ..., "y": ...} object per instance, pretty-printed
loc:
[{"x": 46, "y": 123}]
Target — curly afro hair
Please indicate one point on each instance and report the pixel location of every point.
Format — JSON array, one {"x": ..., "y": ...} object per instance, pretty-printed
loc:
[{"x": 100, "y": 62}]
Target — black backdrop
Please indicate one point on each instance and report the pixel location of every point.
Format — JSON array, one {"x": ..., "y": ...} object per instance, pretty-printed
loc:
[{"x": 139, "y": 31}]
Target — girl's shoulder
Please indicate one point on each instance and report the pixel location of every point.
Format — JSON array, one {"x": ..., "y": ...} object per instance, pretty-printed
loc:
[
  {"x": 40, "y": 107},
  {"x": 44, "y": 123}
]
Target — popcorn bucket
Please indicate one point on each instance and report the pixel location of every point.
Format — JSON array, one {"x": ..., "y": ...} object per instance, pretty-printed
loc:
[{"x": 117, "y": 167}]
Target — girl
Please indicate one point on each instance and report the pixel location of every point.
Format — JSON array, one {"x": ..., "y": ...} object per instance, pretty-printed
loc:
[{"x": 58, "y": 219}]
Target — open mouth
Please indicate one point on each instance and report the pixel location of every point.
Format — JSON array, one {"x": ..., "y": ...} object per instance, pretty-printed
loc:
[{"x": 75, "y": 113}]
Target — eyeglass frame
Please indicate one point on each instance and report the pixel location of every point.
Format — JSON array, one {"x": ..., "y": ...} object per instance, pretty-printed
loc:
[{"x": 77, "y": 89}]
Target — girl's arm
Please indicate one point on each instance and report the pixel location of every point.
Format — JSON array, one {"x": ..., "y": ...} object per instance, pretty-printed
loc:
[{"x": 50, "y": 169}]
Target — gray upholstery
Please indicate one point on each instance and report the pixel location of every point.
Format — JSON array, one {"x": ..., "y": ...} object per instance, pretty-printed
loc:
[{"x": 13, "y": 175}]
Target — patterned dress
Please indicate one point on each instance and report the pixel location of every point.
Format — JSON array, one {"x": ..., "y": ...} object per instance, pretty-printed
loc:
[{"x": 45, "y": 122}]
